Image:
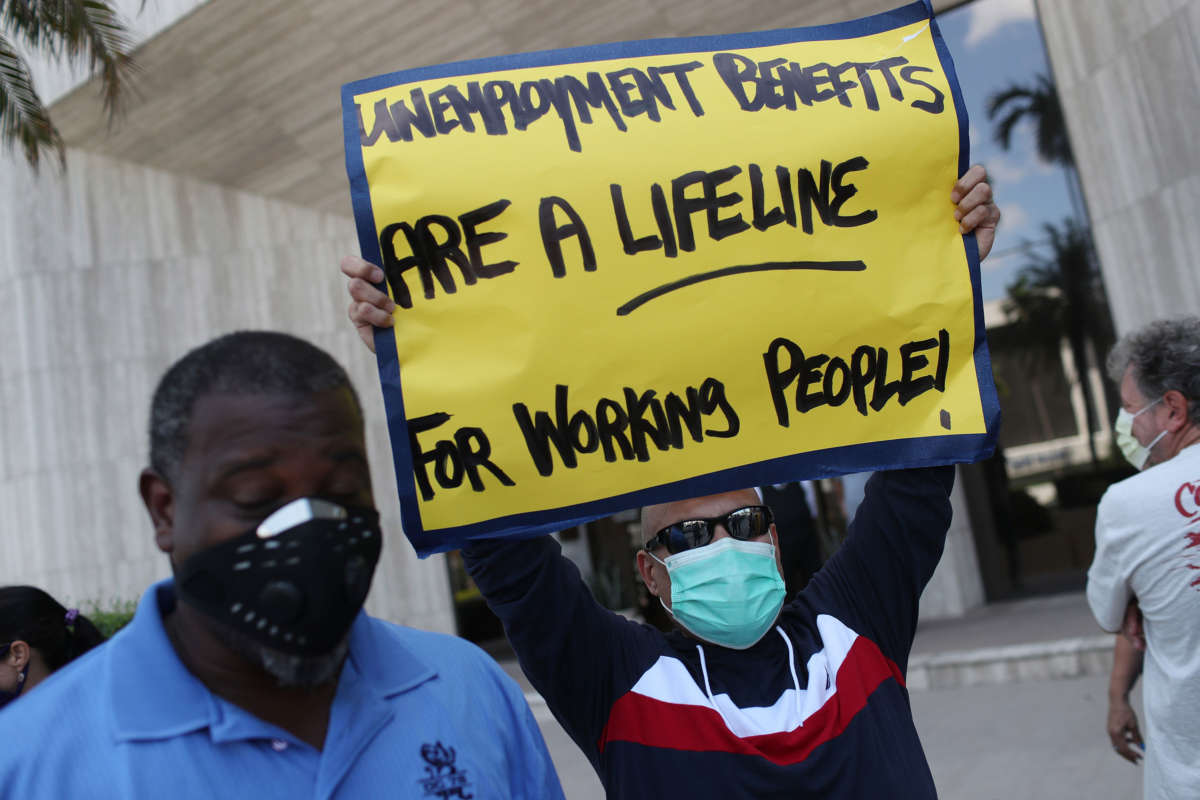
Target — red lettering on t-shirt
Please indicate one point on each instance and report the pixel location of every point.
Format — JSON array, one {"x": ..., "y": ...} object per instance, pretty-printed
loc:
[
  {"x": 1193, "y": 539},
  {"x": 1187, "y": 499}
]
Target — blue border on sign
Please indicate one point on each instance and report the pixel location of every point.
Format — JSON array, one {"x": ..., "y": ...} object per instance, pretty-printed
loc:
[
  {"x": 989, "y": 400},
  {"x": 895, "y": 454},
  {"x": 385, "y": 344},
  {"x": 929, "y": 451}
]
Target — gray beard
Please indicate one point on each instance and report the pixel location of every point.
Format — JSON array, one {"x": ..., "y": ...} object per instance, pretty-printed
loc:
[{"x": 288, "y": 670}]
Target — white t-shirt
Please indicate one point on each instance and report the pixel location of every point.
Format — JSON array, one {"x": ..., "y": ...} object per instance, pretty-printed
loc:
[{"x": 1148, "y": 545}]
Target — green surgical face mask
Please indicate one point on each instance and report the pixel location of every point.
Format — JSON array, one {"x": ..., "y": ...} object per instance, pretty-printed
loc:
[
  {"x": 728, "y": 592},
  {"x": 1134, "y": 451}
]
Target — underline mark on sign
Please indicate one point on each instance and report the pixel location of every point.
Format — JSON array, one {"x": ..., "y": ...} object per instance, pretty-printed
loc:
[{"x": 659, "y": 291}]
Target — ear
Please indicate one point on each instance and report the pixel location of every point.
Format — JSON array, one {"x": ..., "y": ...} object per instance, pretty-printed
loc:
[
  {"x": 19, "y": 654},
  {"x": 160, "y": 503},
  {"x": 645, "y": 567},
  {"x": 1178, "y": 405},
  {"x": 778, "y": 549}
]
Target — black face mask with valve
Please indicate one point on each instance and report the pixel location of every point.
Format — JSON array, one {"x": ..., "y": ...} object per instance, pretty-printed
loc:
[{"x": 296, "y": 582}]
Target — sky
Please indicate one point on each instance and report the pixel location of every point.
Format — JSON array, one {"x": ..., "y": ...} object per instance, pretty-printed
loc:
[{"x": 994, "y": 44}]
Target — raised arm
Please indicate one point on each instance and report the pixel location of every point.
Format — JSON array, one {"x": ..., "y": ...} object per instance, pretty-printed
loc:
[
  {"x": 573, "y": 650},
  {"x": 875, "y": 579},
  {"x": 899, "y": 531}
]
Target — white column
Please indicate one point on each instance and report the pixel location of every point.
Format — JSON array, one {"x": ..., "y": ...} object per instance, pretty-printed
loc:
[{"x": 956, "y": 586}]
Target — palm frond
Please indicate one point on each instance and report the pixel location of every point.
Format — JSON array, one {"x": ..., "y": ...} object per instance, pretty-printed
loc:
[
  {"x": 81, "y": 31},
  {"x": 1004, "y": 127},
  {"x": 110, "y": 46},
  {"x": 1039, "y": 103},
  {"x": 1002, "y": 98},
  {"x": 23, "y": 117}
]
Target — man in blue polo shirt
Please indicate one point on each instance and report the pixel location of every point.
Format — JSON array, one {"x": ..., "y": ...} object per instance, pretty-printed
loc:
[{"x": 254, "y": 672}]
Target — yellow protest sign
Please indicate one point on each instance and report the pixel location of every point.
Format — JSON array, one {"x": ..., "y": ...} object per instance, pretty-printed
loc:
[{"x": 656, "y": 269}]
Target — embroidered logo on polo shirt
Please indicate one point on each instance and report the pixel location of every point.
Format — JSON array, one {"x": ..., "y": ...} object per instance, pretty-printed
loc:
[{"x": 443, "y": 779}]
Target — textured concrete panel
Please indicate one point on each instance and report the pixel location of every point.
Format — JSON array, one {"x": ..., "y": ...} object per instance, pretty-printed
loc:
[
  {"x": 1129, "y": 78},
  {"x": 107, "y": 274}
]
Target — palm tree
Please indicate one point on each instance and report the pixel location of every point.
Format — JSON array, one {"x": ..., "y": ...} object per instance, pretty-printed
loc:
[
  {"x": 1057, "y": 294},
  {"x": 77, "y": 31},
  {"x": 1039, "y": 103},
  {"x": 1054, "y": 299}
]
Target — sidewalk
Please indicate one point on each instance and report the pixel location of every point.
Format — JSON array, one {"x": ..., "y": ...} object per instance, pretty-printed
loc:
[
  {"x": 1040, "y": 638},
  {"x": 1009, "y": 700}
]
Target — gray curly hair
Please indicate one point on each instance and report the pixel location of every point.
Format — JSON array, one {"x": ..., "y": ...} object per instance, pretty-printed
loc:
[
  {"x": 245, "y": 362},
  {"x": 1165, "y": 356}
]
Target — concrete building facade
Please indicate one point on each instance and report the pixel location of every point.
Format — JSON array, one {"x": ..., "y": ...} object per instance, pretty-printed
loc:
[
  {"x": 111, "y": 272},
  {"x": 1128, "y": 76},
  {"x": 220, "y": 202}
]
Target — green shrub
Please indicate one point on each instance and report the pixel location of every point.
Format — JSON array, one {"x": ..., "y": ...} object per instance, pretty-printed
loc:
[{"x": 112, "y": 616}]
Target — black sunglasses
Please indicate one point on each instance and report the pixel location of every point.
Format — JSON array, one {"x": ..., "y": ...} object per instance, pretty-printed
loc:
[{"x": 745, "y": 523}]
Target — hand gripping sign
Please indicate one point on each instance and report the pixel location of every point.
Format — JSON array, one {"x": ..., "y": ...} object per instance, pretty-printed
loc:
[{"x": 658, "y": 269}]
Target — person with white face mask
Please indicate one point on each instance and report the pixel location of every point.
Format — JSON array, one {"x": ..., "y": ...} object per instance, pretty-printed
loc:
[
  {"x": 1145, "y": 577},
  {"x": 1134, "y": 451}
]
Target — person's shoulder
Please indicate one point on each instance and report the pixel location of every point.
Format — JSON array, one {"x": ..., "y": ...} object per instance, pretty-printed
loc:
[
  {"x": 1120, "y": 508},
  {"x": 425, "y": 642},
  {"x": 1129, "y": 494},
  {"x": 457, "y": 670},
  {"x": 1124, "y": 489},
  {"x": 76, "y": 687},
  {"x": 63, "y": 721},
  {"x": 441, "y": 651}
]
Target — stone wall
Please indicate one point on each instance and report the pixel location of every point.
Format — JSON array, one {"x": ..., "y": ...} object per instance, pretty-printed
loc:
[
  {"x": 1128, "y": 74},
  {"x": 108, "y": 273}
]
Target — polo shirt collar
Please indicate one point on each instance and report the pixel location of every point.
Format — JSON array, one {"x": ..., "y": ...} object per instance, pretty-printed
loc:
[
  {"x": 154, "y": 696},
  {"x": 383, "y": 661}
]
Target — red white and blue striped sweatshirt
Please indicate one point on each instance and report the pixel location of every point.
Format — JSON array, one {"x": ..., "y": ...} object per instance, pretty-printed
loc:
[{"x": 816, "y": 709}]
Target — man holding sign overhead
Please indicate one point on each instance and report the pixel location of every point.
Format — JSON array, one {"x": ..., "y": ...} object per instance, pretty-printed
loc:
[
  {"x": 747, "y": 698},
  {"x": 694, "y": 265}
]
